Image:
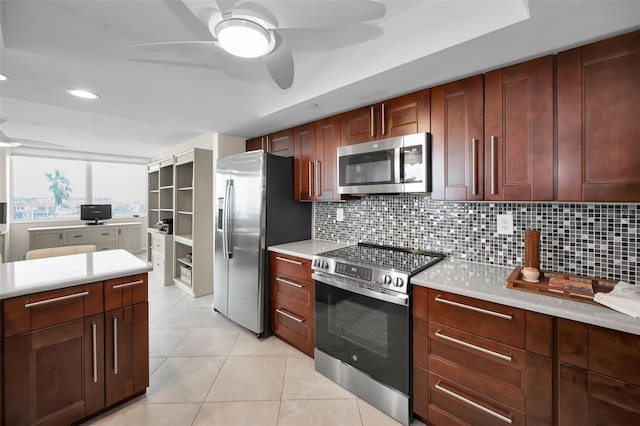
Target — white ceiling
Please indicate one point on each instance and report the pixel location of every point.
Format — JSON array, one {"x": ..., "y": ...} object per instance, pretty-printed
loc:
[{"x": 151, "y": 100}]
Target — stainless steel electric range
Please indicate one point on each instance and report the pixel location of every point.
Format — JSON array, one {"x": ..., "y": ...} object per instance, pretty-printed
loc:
[{"x": 363, "y": 317}]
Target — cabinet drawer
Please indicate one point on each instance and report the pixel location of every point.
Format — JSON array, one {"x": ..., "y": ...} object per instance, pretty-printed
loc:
[
  {"x": 125, "y": 291},
  {"x": 158, "y": 263},
  {"x": 473, "y": 361},
  {"x": 496, "y": 322},
  {"x": 295, "y": 267},
  {"x": 295, "y": 329},
  {"x": 88, "y": 236},
  {"x": 27, "y": 313},
  {"x": 294, "y": 295},
  {"x": 157, "y": 243},
  {"x": 108, "y": 245},
  {"x": 454, "y": 404}
]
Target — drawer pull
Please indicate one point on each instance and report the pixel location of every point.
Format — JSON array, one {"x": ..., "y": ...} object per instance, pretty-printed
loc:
[
  {"x": 104, "y": 234},
  {"x": 77, "y": 236},
  {"x": 288, "y": 315},
  {"x": 473, "y": 404},
  {"x": 56, "y": 299},
  {"x": 289, "y": 260},
  {"x": 473, "y": 308},
  {"x": 127, "y": 284},
  {"x": 95, "y": 351},
  {"x": 472, "y": 346},
  {"x": 291, "y": 283}
]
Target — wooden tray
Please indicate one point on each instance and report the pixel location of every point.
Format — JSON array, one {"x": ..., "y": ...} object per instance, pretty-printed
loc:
[{"x": 516, "y": 282}]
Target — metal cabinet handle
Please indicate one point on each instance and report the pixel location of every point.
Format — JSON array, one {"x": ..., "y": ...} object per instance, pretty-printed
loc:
[
  {"x": 291, "y": 283},
  {"x": 94, "y": 331},
  {"x": 474, "y": 161},
  {"x": 104, "y": 234},
  {"x": 295, "y": 262},
  {"x": 473, "y": 404},
  {"x": 115, "y": 287},
  {"x": 115, "y": 345},
  {"x": 77, "y": 236},
  {"x": 382, "y": 122},
  {"x": 288, "y": 315},
  {"x": 310, "y": 178},
  {"x": 493, "y": 165},
  {"x": 318, "y": 178},
  {"x": 472, "y": 346},
  {"x": 473, "y": 308},
  {"x": 56, "y": 299},
  {"x": 372, "y": 122}
]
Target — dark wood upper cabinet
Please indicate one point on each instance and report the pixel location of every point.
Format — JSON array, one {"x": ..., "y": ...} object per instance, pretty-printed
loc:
[
  {"x": 399, "y": 116},
  {"x": 279, "y": 143},
  {"x": 518, "y": 122},
  {"x": 598, "y": 125},
  {"x": 327, "y": 143},
  {"x": 457, "y": 140},
  {"x": 304, "y": 162}
]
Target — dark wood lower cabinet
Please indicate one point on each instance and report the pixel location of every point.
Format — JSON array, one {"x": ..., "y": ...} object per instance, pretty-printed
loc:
[
  {"x": 55, "y": 375},
  {"x": 127, "y": 352}
]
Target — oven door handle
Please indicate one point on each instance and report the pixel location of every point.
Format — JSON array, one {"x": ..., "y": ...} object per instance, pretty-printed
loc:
[{"x": 399, "y": 299}]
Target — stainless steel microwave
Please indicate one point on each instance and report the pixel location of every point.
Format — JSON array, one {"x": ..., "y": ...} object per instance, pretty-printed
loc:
[{"x": 389, "y": 166}]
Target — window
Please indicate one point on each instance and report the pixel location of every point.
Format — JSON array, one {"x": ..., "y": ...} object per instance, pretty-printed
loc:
[{"x": 50, "y": 189}]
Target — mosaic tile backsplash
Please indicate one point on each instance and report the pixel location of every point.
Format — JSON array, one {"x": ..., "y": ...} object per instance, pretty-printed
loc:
[{"x": 598, "y": 240}]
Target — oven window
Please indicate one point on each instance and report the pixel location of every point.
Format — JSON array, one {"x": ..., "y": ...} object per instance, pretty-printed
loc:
[
  {"x": 369, "y": 334},
  {"x": 359, "y": 324},
  {"x": 367, "y": 169}
]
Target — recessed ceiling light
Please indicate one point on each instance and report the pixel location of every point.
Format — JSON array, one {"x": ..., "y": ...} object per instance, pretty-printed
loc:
[
  {"x": 3, "y": 77},
  {"x": 243, "y": 38},
  {"x": 84, "y": 94}
]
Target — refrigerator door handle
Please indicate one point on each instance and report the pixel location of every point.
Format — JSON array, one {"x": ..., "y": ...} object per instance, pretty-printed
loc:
[{"x": 226, "y": 220}]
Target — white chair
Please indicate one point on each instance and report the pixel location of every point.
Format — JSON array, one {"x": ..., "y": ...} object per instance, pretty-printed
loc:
[{"x": 60, "y": 251}]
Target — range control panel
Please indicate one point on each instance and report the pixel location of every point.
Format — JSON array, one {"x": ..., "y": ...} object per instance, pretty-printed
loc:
[{"x": 384, "y": 278}]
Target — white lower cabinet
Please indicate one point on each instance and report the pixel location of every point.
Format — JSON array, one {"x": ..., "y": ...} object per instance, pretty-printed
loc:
[{"x": 105, "y": 237}]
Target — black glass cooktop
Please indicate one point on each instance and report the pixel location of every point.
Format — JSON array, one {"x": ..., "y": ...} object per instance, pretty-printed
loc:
[{"x": 406, "y": 260}]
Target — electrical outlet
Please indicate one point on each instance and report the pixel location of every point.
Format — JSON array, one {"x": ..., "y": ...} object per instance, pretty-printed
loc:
[
  {"x": 505, "y": 224},
  {"x": 340, "y": 215}
]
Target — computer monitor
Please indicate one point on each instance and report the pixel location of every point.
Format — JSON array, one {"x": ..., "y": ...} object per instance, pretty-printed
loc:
[{"x": 94, "y": 213}]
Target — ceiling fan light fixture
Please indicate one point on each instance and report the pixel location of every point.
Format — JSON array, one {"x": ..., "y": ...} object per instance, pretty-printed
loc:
[
  {"x": 243, "y": 38},
  {"x": 3, "y": 77},
  {"x": 84, "y": 94}
]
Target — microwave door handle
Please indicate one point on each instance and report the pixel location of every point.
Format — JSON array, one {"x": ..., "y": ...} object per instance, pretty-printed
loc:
[{"x": 398, "y": 165}]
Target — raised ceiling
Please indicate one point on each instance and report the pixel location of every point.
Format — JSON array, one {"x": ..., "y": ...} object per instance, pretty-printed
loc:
[{"x": 151, "y": 100}]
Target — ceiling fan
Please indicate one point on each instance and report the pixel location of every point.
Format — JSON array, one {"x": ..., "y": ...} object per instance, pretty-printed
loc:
[
  {"x": 8, "y": 142},
  {"x": 251, "y": 29}
]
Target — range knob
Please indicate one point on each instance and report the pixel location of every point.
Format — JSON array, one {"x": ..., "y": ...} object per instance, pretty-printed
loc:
[
  {"x": 387, "y": 279},
  {"x": 399, "y": 282},
  {"x": 315, "y": 262},
  {"x": 324, "y": 264}
]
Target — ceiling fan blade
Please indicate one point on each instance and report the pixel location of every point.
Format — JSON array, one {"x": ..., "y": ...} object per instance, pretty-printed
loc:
[
  {"x": 173, "y": 63},
  {"x": 280, "y": 63},
  {"x": 204, "y": 10},
  {"x": 316, "y": 14},
  {"x": 196, "y": 46}
]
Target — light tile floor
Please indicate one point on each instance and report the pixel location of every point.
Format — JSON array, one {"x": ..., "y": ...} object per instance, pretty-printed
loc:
[{"x": 206, "y": 370}]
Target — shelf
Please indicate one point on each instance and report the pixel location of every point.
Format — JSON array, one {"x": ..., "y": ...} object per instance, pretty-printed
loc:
[
  {"x": 166, "y": 210},
  {"x": 187, "y": 240},
  {"x": 183, "y": 212},
  {"x": 154, "y": 210},
  {"x": 186, "y": 188},
  {"x": 167, "y": 187},
  {"x": 185, "y": 261},
  {"x": 154, "y": 190}
]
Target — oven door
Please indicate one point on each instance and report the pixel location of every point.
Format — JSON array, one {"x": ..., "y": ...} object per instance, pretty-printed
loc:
[{"x": 369, "y": 334}]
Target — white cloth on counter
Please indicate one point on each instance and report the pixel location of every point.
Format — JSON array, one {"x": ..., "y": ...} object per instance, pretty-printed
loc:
[{"x": 623, "y": 298}]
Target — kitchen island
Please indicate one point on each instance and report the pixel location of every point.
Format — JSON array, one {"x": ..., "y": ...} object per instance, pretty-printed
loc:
[{"x": 74, "y": 335}]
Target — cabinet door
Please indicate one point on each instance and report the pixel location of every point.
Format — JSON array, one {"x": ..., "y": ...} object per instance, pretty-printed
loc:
[
  {"x": 518, "y": 153},
  {"x": 44, "y": 239},
  {"x": 56, "y": 373},
  {"x": 127, "y": 352},
  {"x": 304, "y": 162},
  {"x": 281, "y": 143},
  {"x": 327, "y": 143},
  {"x": 457, "y": 127},
  {"x": 406, "y": 115},
  {"x": 360, "y": 125},
  {"x": 129, "y": 238},
  {"x": 598, "y": 126},
  {"x": 255, "y": 144}
]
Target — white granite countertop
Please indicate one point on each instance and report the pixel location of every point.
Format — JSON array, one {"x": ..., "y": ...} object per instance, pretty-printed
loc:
[
  {"x": 489, "y": 282},
  {"x": 307, "y": 248},
  {"x": 32, "y": 276}
]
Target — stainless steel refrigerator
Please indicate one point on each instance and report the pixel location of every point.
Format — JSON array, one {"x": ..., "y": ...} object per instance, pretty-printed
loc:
[{"x": 254, "y": 210}]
